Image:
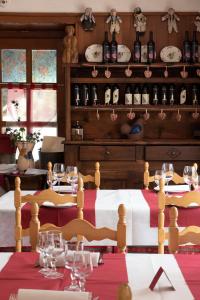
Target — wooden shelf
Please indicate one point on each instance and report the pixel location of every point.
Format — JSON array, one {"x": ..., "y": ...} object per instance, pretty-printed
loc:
[
  {"x": 186, "y": 108},
  {"x": 134, "y": 65},
  {"x": 125, "y": 80}
]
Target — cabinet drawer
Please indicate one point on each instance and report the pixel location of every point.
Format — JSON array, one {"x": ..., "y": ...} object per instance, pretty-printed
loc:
[
  {"x": 162, "y": 153},
  {"x": 107, "y": 153}
]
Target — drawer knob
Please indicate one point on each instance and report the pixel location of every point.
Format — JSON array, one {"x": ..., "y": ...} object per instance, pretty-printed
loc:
[
  {"x": 107, "y": 152},
  {"x": 173, "y": 153}
]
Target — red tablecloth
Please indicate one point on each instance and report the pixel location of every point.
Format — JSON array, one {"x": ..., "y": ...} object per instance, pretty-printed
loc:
[
  {"x": 187, "y": 216},
  {"x": 104, "y": 281},
  {"x": 190, "y": 268},
  {"x": 61, "y": 216}
]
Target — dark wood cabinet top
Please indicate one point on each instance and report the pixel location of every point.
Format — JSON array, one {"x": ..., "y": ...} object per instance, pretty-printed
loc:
[{"x": 185, "y": 142}]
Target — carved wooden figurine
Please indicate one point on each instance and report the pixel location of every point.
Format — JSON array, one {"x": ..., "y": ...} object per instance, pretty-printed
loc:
[
  {"x": 70, "y": 53},
  {"x": 172, "y": 19},
  {"x": 114, "y": 21},
  {"x": 140, "y": 21},
  {"x": 87, "y": 20}
]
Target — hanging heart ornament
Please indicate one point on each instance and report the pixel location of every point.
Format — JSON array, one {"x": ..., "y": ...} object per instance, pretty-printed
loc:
[
  {"x": 184, "y": 73},
  {"x": 195, "y": 115},
  {"x": 94, "y": 72},
  {"x": 178, "y": 116},
  {"x": 162, "y": 115},
  {"x": 128, "y": 72},
  {"x": 107, "y": 73},
  {"x": 131, "y": 115},
  {"x": 113, "y": 116},
  {"x": 147, "y": 73},
  {"x": 166, "y": 73},
  {"x": 146, "y": 115}
]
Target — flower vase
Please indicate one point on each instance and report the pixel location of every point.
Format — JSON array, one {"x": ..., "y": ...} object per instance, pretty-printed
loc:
[{"x": 25, "y": 158}]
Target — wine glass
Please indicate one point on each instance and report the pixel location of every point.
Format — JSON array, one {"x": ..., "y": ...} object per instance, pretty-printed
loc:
[
  {"x": 42, "y": 247},
  {"x": 55, "y": 248},
  {"x": 51, "y": 179},
  {"x": 158, "y": 175},
  {"x": 168, "y": 169},
  {"x": 72, "y": 177},
  {"x": 190, "y": 175},
  {"x": 70, "y": 248},
  {"x": 83, "y": 267},
  {"x": 59, "y": 171}
]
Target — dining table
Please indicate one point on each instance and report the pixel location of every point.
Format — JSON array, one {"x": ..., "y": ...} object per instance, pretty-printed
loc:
[
  {"x": 100, "y": 208},
  {"x": 138, "y": 270}
]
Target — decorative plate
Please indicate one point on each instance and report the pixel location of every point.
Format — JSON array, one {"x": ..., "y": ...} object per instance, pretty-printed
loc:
[
  {"x": 123, "y": 54},
  {"x": 170, "y": 54},
  {"x": 94, "y": 53},
  {"x": 144, "y": 53}
]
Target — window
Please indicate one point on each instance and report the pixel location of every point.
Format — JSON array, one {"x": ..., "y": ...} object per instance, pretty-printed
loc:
[{"x": 28, "y": 94}]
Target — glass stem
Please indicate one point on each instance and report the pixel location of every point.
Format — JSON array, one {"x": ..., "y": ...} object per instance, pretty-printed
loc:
[
  {"x": 82, "y": 282},
  {"x": 53, "y": 264}
]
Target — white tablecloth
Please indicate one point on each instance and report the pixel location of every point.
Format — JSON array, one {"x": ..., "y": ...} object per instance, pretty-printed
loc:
[
  {"x": 141, "y": 269},
  {"x": 139, "y": 232}
]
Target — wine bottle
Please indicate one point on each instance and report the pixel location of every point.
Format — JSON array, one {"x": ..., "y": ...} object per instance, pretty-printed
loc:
[
  {"x": 107, "y": 97},
  {"x": 171, "y": 94},
  {"x": 76, "y": 95},
  {"x": 137, "y": 96},
  {"x": 115, "y": 94},
  {"x": 151, "y": 49},
  {"x": 194, "y": 48},
  {"x": 183, "y": 94},
  {"x": 128, "y": 95},
  {"x": 137, "y": 49},
  {"x": 106, "y": 49},
  {"x": 194, "y": 95},
  {"x": 85, "y": 94},
  {"x": 113, "y": 48},
  {"x": 155, "y": 94},
  {"x": 145, "y": 95},
  {"x": 164, "y": 94},
  {"x": 94, "y": 95},
  {"x": 186, "y": 48}
]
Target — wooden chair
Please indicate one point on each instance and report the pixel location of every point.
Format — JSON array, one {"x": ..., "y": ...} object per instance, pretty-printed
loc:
[
  {"x": 124, "y": 292},
  {"x": 86, "y": 178},
  {"x": 80, "y": 227},
  {"x": 190, "y": 234},
  {"x": 163, "y": 200},
  {"x": 177, "y": 179},
  {"x": 45, "y": 195}
]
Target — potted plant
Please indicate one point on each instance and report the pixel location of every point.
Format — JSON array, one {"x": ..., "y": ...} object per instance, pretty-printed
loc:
[{"x": 25, "y": 144}]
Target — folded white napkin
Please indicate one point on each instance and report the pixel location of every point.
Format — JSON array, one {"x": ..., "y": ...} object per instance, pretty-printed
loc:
[
  {"x": 60, "y": 260},
  {"x": 28, "y": 294},
  {"x": 175, "y": 188},
  {"x": 63, "y": 188}
]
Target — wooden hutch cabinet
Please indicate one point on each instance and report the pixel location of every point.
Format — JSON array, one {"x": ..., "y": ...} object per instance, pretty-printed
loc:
[{"x": 171, "y": 139}]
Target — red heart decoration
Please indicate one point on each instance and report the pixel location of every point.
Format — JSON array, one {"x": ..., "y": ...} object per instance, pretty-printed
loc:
[
  {"x": 195, "y": 115},
  {"x": 94, "y": 73},
  {"x": 128, "y": 72},
  {"x": 178, "y": 117},
  {"x": 147, "y": 73},
  {"x": 166, "y": 73},
  {"x": 184, "y": 74},
  {"x": 107, "y": 73},
  {"x": 146, "y": 116},
  {"x": 113, "y": 117},
  {"x": 162, "y": 115},
  {"x": 131, "y": 115}
]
